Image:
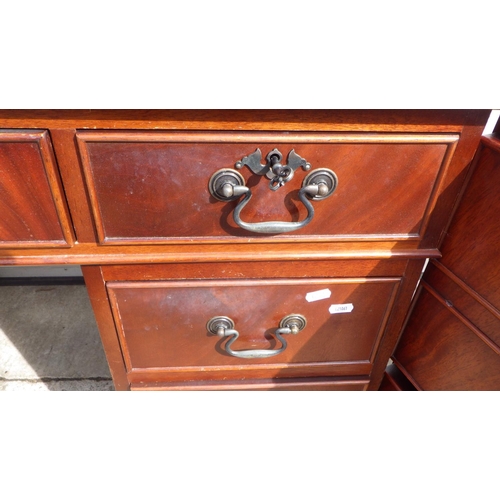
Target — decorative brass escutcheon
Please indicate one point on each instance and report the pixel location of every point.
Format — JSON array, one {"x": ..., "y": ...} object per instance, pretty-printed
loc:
[{"x": 273, "y": 168}]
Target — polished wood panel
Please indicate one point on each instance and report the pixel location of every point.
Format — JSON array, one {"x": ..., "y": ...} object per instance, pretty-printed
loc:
[
  {"x": 358, "y": 120},
  {"x": 410, "y": 279},
  {"x": 32, "y": 204},
  {"x": 312, "y": 384},
  {"x": 452, "y": 337},
  {"x": 470, "y": 250},
  {"x": 388, "y": 384},
  {"x": 100, "y": 305},
  {"x": 248, "y": 372},
  {"x": 87, "y": 253},
  {"x": 492, "y": 309},
  {"x": 441, "y": 352},
  {"x": 400, "y": 176},
  {"x": 451, "y": 308},
  {"x": 163, "y": 324},
  {"x": 154, "y": 187},
  {"x": 466, "y": 302},
  {"x": 64, "y": 144},
  {"x": 247, "y": 270},
  {"x": 452, "y": 185}
]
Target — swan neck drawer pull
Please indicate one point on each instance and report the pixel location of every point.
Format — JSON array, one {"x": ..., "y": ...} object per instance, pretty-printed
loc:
[
  {"x": 229, "y": 185},
  {"x": 224, "y": 327}
]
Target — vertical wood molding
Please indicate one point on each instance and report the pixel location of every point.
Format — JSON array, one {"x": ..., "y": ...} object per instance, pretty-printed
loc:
[
  {"x": 100, "y": 304},
  {"x": 63, "y": 142},
  {"x": 409, "y": 283}
]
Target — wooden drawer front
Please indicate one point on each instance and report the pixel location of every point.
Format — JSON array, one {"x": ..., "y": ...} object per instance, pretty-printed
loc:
[
  {"x": 452, "y": 338},
  {"x": 32, "y": 206},
  {"x": 470, "y": 249},
  {"x": 153, "y": 187},
  {"x": 163, "y": 327},
  {"x": 441, "y": 349},
  {"x": 464, "y": 300}
]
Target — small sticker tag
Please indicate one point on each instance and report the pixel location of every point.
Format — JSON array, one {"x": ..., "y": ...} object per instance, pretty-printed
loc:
[
  {"x": 318, "y": 295},
  {"x": 340, "y": 308}
]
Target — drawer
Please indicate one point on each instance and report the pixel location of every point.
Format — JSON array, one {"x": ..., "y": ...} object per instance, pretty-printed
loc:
[
  {"x": 440, "y": 350},
  {"x": 166, "y": 333},
  {"x": 34, "y": 212},
  {"x": 155, "y": 187}
]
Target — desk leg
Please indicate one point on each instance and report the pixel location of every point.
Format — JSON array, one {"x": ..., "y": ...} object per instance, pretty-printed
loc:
[{"x": 99, "y": 300}]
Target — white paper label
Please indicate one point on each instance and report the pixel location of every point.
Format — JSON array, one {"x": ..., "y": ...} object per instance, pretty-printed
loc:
[
  {"x": 318, "y": 295},
  {"x": 340, "y": 308}
]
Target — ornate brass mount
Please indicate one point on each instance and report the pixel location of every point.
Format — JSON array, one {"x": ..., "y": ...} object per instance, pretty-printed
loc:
[{"x": 273, "y": 169}]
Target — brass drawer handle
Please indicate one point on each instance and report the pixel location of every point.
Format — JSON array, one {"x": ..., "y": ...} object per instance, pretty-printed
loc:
[
  {"x": 228, "y": 185},
  {"x": 224, "y": 327}
]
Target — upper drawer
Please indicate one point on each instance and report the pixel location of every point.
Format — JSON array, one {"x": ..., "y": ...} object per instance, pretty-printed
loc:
[
  {"x": 32, "y": 206},
  {"x": 148, "y": 187}
]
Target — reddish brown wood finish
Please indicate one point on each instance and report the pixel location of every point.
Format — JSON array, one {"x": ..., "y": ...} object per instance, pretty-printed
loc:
[
  {"x": 466, "y": 301},
  {"x": 440, "y": 352},
  {"x": 471, "y": 249},
  {"x": 162, "y": 325},
  {"x": 467, "y": 123},
  {"x": 249, "y": 372},
  {"x": 400, "y": 176},
  {"x": 452, "y": 337},
  {"x": 89, "y": 254},
  {"x": 269, "y": 270},
  {"x": 393, "y": 329},
  {"x": 32, "y": 206},
  {"x": 259, "y": 270},
  {"x": 452, "y": 185},
  {"x": 388, "y": 384},
  {"x": 107, "y": 330},
  {"x": 64, "y": 144},
  {"x": 153, "y": 187},
  {"x": 312, "y": 384},
  {"x": 358, "y": 120}
]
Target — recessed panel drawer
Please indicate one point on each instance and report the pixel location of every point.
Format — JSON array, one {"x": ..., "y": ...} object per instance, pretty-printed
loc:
[
  {"x": 148, "y": 187},
  {"x": 32, "y": 206},
  {"x": 441, "y": 350},
  {"x": 166, "y": 333}
]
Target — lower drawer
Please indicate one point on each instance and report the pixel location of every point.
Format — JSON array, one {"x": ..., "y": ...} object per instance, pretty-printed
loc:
[
  {"x": 448, "y": 342},
  {"x": 267, "y": 329}
]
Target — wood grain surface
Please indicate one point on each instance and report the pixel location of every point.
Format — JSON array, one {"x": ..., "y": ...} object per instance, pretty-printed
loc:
[
  {"x": 452, "y": 337},
  {"x": 148, "y": 188},
  {"x": 438, "y": 351},
  {"x": 89, "y": 253},
  {"x": 124, "y": 193},
  {"x": 32, "y": 205},
  {"x": 162, "y": 325},
  {"x": 251, "y": 119},
  {"x": 311, "y": 384}
]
